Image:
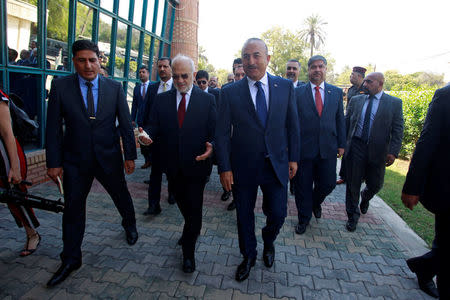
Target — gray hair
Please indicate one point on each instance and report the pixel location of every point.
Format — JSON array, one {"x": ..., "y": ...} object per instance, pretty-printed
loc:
[
  {"x": 253, "y": 40},
  {"x": 183, "y": 58}
]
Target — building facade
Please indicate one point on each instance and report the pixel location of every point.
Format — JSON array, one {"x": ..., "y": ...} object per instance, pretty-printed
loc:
[{"x": 36, "y": 38}]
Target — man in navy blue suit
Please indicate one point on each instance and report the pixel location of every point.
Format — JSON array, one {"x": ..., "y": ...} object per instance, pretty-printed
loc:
[
  {"x": 322, "y": 128},
  {"x": 257, "y": 140},
  {"x": 83, "y": 143},
  {"x": 154, "y": 188},
  {"x": 184, "y": 121},
  {"x": 138, "y": 107}
]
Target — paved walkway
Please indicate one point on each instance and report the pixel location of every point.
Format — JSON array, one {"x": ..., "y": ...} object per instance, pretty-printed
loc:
[{"x": 325, "y": 263}]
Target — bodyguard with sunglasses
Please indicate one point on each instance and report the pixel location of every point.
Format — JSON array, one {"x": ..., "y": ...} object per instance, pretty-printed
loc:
[{"x": 202, "y": 81}]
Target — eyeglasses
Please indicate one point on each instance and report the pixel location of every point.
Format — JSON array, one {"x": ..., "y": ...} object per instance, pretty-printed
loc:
[
  {"x": 176, "y": 76},
  {"x": 202, "y": 82}
]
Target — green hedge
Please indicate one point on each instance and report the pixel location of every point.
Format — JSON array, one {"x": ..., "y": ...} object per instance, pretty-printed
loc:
[{"x": 415, "y": 107}]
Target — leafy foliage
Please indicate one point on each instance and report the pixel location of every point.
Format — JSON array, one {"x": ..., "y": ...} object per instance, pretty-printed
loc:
[
  {"x": 313, "y": 33},
  {"x": 283, "y": 45},
  {"x": 415, "y": 106}
]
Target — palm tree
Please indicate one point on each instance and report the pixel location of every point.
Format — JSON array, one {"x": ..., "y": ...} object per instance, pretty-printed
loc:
[{"x": 313, "y": 33}]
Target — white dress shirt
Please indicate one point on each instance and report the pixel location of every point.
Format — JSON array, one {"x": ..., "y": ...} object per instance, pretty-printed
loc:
[
  {"x": 321, "y": 90},
  {"x": 168, "y": 86},
  {"x": 187, "y": 97}
]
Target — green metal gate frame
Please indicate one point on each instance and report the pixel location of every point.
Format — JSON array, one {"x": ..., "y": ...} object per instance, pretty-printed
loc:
[{"x": 6, "y": 68}]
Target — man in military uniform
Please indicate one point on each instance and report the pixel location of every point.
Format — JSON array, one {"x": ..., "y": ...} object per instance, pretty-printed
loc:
[{"x": 357, "y": 88}]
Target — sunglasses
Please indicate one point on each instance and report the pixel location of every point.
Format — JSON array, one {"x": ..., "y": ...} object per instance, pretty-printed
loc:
[
  {"x": 176, "y": 76},
  {"x": 202, "y": 82}
]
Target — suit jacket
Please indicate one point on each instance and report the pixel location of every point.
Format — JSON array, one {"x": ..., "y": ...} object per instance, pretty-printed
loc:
[
  {"x": 138, "y": 106},
  {"x": 216, "y": 94},
  {"x": 320, "y": 135},
  {"x": 85, "y": 140},
  {"x": 386, "y": 133},
  {"x": 180, "y": 146},
  {"x": 150, "y": 96},
  {"x": 242, "y": 141},
  {"x": 428, "y": 174}
]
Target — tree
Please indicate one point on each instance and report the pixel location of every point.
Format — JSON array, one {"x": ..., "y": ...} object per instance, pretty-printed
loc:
[
  {"x": 203, "y": 63},
  {"x": 284, "y": 45},
  {"x": 313, "y": 34}
]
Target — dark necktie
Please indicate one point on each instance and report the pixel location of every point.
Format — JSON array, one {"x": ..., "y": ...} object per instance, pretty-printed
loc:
[
  {"x": 261, "y": 106},
  {"x": 143, "y": 91},
  {"x": 182, "y": 109},
  {"x": 90, "y": 101},
  {"x": 319, "y": 103},
  {"x": 366, "y": 125}
]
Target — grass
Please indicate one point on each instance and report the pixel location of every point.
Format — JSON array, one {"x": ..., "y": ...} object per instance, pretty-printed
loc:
[{"x": 419, "y": 219}]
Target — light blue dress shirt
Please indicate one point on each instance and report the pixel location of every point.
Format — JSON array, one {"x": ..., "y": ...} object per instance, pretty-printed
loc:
[
  {"x": 84, "y": 90},
  {"x": 375, "y": 104}
]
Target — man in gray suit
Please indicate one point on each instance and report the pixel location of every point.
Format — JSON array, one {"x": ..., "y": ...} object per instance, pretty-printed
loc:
[{"x": 374, "y": 137}]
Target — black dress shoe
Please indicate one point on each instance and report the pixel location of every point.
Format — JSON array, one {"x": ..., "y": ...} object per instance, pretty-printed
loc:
[
  {"x": 351, "y": 225},
  {"x": 269, "y": 255},
  {"x": 132, "y": 236},
  {"x": 188, "y": 265},
  {"x": 300, "y": 228},
  {"x": 225, "y": 196},
  {"x": 244, "y": 268},
  {"x": 317, "y": 211},
  {"x": 364, "y": 206},
  {"x": 62, "y": 273},
  {"x": 147, "y": 181},
  {"x": 171, "y": 199},
  {"x": 425, "y": 280},
  {"x": 231, "y": 206},
  {"x": 154, "y": 210}
]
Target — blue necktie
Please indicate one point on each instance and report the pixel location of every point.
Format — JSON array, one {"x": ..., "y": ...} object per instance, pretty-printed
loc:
[
  {"x": 261, "y": 106},
  {"x": 366, "y": 124}
]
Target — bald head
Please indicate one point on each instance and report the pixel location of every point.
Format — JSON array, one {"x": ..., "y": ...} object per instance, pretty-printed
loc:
[{"x": 374, "y": 82}]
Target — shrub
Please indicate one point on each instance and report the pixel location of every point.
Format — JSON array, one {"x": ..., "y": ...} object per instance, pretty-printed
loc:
[{"x": 415, "y": 107}]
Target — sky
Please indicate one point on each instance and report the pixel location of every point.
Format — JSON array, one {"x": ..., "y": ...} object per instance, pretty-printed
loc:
[{"x": 408, "y": 36}]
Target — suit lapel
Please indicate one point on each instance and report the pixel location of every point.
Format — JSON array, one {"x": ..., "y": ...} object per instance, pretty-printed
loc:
[
  {"x": 273, "y": 86},
  {"x": 381, "y": 111},
  {"x": 101, "y": 96},
  {"x": 249, "y": 102},
  {"x": 327, "y": 98},
  {"x": 79, "y": 97},
  {"x": 310, "y": 99},
  {"x": 173, "y": 111}
]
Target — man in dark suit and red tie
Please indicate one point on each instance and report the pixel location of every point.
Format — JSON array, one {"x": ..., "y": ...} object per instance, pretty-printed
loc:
[
  {"x": 257, "y": 140},
  {"x": 88, "y": 147},
  {"x": 183, "y": 122},
  {"x": 322, "y": 129},
  {"x": 138, "y": 108}
]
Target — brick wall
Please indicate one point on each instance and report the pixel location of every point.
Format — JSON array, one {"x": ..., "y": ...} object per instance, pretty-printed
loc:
[
  {"x": 37, "y": 170},
  {"x": 185, "y": 32}
]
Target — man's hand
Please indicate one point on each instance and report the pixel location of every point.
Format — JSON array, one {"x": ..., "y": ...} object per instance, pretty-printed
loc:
[
  {"x": 14, "y": 176},
  {"x": 410, "y": 200},
  {"x": 53, "y": 173},
  {"x": 340, "y": 152},
  {"x": 208, "y": 152},
  {"x": 143, "y": 137},
  {"x": 226, "y": 179},
  {"x": 292, "y": 169},
  {"x": 129, "y": 166},
  {"x": 389, "y": 159}
]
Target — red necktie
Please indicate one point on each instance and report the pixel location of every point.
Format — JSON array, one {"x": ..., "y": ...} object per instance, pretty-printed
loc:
[
  {"x": 319, "y": 104},
  {"x": 182, "y": 109}
]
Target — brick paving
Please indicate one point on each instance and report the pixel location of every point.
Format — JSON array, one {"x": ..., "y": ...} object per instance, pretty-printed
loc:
[{"x": 327, "y": 262}]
